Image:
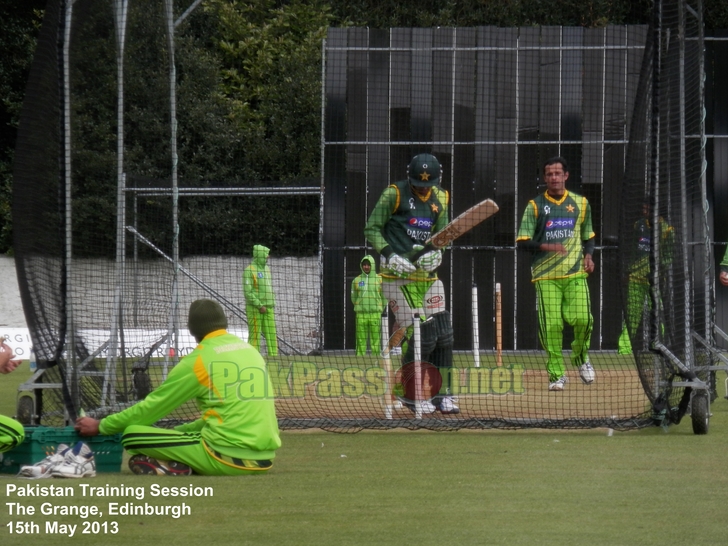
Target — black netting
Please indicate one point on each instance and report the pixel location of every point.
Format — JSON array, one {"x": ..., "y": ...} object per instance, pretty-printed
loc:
[
  {"x": 133, "y": 198},
  {"x": 666, "y": 277}
]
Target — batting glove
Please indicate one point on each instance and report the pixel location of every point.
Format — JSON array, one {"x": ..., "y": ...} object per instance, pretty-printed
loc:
[
  {"x": 400, "y": 266},
  {"x": 430, "y": 261}
]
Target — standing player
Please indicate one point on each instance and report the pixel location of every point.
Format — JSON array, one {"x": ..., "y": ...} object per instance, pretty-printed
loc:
[
  {"x": 557, "y": 229},
  {"x": 407, "y": 213},
  {"x": 638, "y": 285},
  {"x": 260, "y": 301},
  {"x": 369, "y": 302}
]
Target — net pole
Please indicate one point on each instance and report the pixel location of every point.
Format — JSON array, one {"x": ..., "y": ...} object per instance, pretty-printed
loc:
[
  {"x": 689, "y": 353},
  {"x": 173, "y": 324},
  {"x": 108, "y": 391},
  {"x": 71, "y": 377}
]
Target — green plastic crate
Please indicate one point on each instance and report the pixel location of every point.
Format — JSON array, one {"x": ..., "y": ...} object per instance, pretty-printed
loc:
[{"x": 42, "y": 441}]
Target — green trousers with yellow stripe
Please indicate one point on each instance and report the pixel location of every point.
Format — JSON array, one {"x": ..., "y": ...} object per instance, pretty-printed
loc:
[
  {"x": 12, "y": 433},
  {"x": 188, "y": 448},
  {"x": 559, "y": 301}
]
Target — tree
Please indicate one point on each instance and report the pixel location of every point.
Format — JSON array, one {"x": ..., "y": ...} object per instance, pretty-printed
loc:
[{"x": 20, "y": 25}]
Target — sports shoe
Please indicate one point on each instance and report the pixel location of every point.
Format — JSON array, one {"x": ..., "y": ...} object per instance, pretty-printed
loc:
[
  {"x": 425, "y": 407},
  {"x": 78, "y": 463},
  {"x": 558, "y": 385},
  {"x": 43, "y": 468},
  {"x": 587, "y": 374},
  {"x": 141, "y": 464},
  {"x": 447, "y": 405}
]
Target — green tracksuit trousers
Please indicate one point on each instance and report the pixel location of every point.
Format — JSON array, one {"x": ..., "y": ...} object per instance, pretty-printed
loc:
[
  {"x": 368, "y": 326},
  {"x": 187, "y": 448},
  {"x": 560, "y": 300},
  {"x": 262, "y": 323}
]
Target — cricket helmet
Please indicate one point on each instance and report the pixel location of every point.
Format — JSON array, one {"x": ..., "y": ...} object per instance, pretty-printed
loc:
[{"x": 424, "y": 170}]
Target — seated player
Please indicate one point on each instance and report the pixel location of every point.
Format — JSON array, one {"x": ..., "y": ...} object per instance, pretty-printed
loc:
[
  {"x": 237, "y": 432},
  {"x": 11, "y": 432}
]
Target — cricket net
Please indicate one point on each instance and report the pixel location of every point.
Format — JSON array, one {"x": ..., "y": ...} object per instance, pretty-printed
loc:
[{"x": 143, "y": 180}]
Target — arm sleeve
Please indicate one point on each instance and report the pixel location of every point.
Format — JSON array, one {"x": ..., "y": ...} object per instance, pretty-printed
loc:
[
  {"x": 251, "y": 294},
  {"x": 383, "y": 210},
  {"x": 444, "y": 216},
  {"x": 354, "y": 292},
  {"x": 180, "y": 386},
  {"x": 589, "y": 247},
  {"x": 194, "y": 426},
  {"x": 527, "y": 228},
  {"x": 528, "y": 244}
]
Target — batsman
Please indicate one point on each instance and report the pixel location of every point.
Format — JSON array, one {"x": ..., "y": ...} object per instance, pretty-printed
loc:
[{"x": 407, "y": 213}]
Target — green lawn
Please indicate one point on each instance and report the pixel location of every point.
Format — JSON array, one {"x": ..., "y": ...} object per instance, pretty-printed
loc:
[{"x": 468, "y": 487}]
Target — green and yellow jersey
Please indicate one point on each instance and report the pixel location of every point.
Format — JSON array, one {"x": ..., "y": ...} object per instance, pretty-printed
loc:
[
  {"x": 402, "y": 219},
  {"x": 548, "y": 220}
]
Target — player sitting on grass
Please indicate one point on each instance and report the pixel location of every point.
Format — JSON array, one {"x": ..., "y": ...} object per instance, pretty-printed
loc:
[
  {"x": 11, "y": 432},
  {"x": 237, "y": 432}
]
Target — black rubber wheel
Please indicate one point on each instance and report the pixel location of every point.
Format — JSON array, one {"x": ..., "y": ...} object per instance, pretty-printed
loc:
[
  {"x": 26, "y": 409},
  {"x": 700, "y": 412},
  {"x": 142, "y": 384}
]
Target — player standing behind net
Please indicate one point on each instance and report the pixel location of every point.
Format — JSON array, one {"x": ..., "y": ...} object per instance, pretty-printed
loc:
[
  {"x": 260, "y": 301},
  {"x": 557, "y": 229},
  {"x": 369, "y": 303},
  {"x": 407, "y": 213}
]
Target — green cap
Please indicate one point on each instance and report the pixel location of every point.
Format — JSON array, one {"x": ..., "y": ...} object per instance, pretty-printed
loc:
[{"x": 205, "y": 316}]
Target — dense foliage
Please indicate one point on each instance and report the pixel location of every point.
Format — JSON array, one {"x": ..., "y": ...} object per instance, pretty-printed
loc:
[{"x": 248, "y": 77}]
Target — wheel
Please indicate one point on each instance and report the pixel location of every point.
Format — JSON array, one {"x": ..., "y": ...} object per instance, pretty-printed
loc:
[
  {"x": 26, "y": 409},
  {"x": 142, "y": 384},
  {"x": 700, "y": 412}
]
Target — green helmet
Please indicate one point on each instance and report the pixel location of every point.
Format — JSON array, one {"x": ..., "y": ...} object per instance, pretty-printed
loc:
[{"x": 424, "y": 170}]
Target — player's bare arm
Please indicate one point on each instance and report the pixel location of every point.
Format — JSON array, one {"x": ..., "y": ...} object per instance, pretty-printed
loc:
[{"x": 588, "y": 263}]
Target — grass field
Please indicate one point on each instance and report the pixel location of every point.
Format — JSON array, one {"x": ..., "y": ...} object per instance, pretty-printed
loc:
[{"x": 380, "y": 488}]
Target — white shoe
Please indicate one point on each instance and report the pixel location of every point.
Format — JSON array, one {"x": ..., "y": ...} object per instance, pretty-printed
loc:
[
  {"x": 447, "y": 405},
  {"x": 425, "y": 407},
  {"x": 587, "y": 373},
  {"x": 558, "y": 385},
  {"x": 43, "y": 468},
  {"x": 78, "y": 463}
]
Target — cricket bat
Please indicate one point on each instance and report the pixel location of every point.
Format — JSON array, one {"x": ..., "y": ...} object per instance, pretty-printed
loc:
[
  {"x": 463, "y": 223},
  {"x": 459, "y": 226}
]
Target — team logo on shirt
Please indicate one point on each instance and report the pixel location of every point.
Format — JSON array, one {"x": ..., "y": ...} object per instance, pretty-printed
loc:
[
  {"x": 422, "y": 223},
  {"x": 560, "y": 228},
  {"x": 560, "y": 223},
  {"x": 260, "y": 275}
]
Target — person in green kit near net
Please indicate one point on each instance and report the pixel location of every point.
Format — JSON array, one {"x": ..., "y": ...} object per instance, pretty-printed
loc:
[
  {"x": 237, "y": 431},
  {"x": 260, "y": 301},
  {"x": 556, "y": 228},
  {"x": 638, "y": 287},
  {"x": 369, "y": 303}
]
